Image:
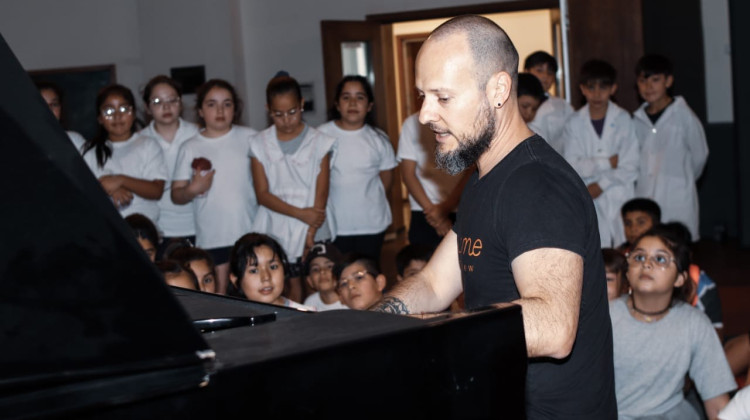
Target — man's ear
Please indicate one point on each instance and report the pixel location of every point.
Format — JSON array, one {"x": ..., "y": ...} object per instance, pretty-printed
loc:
[
  {"x": 669, "y": 81},
  {"x": 500, "y": 88},
  {"x": 613, "y": 89}
]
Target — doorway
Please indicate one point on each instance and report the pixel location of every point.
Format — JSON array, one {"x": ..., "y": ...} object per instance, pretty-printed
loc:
[{"x": 390, "y": 44}]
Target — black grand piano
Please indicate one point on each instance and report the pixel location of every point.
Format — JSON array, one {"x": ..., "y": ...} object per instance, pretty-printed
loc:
[{"x": 89, "y": 329}]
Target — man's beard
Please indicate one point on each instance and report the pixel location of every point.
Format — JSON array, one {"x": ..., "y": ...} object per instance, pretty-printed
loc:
[{"x": 470, "y": 147}]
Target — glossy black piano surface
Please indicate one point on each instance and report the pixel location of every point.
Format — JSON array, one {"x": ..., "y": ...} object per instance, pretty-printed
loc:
[{"x": 89, "y": 329}]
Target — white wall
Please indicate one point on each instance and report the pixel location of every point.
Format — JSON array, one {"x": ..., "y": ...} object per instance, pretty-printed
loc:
[
  {"x": 245, "y": 42},
  {"x": 179, "y": 33},
  {"x": 285, "y": 35},
  {"x": 47, "y": 34}
]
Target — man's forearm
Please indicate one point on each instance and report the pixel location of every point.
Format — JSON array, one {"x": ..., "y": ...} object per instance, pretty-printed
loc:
[{"x": 391, "y": 305}]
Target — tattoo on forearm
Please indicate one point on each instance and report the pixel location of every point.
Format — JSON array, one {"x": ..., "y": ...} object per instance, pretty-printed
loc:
[{"x": 391, "y": 305}]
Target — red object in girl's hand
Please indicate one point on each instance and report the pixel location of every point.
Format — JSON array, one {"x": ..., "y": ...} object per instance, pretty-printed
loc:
[{"x": 201, "y": 164}]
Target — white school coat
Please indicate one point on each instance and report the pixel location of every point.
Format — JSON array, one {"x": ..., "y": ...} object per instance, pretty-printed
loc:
[
  {"x": 673, "y": 154},
  {"x": 550, "y": 120},
  {"x": 292, "y": 179},
  {"x": 589, "y": 155}
]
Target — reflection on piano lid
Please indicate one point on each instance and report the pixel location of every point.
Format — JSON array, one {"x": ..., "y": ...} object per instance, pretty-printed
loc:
[{"x": 89, "y": 329}]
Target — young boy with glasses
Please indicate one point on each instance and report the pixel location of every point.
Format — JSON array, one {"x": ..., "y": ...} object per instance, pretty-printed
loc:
[{"x": 360, "y": 283}]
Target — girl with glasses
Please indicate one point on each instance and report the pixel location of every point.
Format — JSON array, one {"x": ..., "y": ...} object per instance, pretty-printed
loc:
[
  {"x": 291, "y": 164},
  {"x": 213, "y": 173},
  {"x": 130, "y": 167},
  {"x": 163, "y": 98},
  {"x": 660, "y": 338},
  {"x": 362, "y": 175}
]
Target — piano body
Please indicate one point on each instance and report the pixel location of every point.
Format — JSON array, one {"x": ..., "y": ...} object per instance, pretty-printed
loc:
[{"x": 89, "y": 330}]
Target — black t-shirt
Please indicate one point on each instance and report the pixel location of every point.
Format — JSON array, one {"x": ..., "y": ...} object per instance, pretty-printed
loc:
[{"x": 533, "y": 199}]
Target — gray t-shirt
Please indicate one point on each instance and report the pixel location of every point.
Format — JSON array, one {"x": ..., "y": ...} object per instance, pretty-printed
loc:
[{"x": 652, "y": 359}]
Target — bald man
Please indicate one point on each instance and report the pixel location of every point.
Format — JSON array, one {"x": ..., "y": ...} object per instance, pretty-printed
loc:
[{"x": 526, "y": 231}]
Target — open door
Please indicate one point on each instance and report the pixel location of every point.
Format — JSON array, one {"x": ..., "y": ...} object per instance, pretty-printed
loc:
[{"x": 364, "y": 48}]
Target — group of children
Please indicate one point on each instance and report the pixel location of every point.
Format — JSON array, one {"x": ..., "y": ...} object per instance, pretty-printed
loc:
[
  {"x": 310, "y": 206},
  {"x": 657, "y": 153},
  {"x": 208, "y": 183},
  {"x": 670, "y": 356},
  {"x": 259, "y": 269}
]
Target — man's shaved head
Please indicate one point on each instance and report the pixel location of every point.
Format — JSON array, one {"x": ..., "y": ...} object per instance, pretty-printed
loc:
[{"x": 491, "y": 48}]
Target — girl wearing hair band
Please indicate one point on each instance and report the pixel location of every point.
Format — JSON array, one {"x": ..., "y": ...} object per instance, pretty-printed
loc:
[
  {"x": 213, "y": 173},
  {"x": 163, "y": 99},
  {"x": 362, "y": 175},
  {"x": 291, "y": 165},
  {"x": 659, "y": 337},
  {"x": 130, "y": 167}
]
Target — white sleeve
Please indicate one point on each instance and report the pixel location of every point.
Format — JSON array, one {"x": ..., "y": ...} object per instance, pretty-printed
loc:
[
  {"x": 738, "y": 407},
  {"x": 387, "y": 156},
  {"x": 182, "y": 169},
  {"x": 408, "y": 139},
  {"x": 154, "y": 167}
]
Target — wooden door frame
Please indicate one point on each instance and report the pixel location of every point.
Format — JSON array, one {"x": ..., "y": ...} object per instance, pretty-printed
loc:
[
  {"x": 402, "y": 66},
  {"x": 478, "y": 9}
]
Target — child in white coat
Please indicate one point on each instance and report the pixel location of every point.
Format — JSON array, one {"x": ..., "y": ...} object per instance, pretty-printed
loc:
[
  {"x": 553, "y": 112},
  {"x": 601, "y": 146},
  {"x": 673, "y": 145}
]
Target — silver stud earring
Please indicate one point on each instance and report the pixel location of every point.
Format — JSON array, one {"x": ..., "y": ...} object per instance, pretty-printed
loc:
[{"x": 499, "y": 104}]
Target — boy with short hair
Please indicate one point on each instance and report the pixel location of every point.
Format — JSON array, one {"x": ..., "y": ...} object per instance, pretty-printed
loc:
[
  {"x": 615, "y": 266},
  {"x": 673, "y": 148},
  {"x": 530, "y": 96},
  {"x": 553, "y": 112},
  {"x": 638, "y": 216},
  {"x": 411, "y": 259},
  {"x": 601, "y": 145},
  {"x": 319, "y": 264},
  {"x": 359, "y": 281}
]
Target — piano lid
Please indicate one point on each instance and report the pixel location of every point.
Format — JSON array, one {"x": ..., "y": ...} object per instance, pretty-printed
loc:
[{"x": 79, "y": 300}]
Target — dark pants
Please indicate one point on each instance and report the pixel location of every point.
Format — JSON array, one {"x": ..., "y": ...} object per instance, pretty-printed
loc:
[
  {"x": 420, "y": 232},
  {"x": 369, "y": 245}
]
